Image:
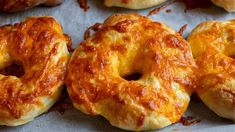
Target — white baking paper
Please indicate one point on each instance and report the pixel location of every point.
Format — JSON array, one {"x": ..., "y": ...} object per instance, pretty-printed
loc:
[{"x": 75, "y": 21}]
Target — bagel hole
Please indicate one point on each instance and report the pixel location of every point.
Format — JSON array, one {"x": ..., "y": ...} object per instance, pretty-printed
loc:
[
  {"x": 232, "y": 56},
  {"x": 133, "y": 77},
  {"x": 13, "y": 70}
]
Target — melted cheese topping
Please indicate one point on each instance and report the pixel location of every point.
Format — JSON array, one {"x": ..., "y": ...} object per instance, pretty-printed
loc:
[
  {"x": 213, "y": 46},
  {"x": 40, "y": 46},
  {"x": 126, "y": 44}
]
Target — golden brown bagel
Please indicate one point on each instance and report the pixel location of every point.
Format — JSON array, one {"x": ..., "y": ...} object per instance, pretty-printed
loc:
[
  {"x": 19, "y": 5},
  {"x": 228, "y": 5},
  {"x": 128, "y": 44},
  {"x": 133, "y": 4},
  {"x": 38, "y": 44},
  {"x": 213, "y": 46}
]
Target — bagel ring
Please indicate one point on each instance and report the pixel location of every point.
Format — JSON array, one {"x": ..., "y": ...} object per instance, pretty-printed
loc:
[
  {"x": 128, "y": 44},
  {"x": 133, "y": 4},
  {"x": 213, "y": 46},
  {"x": 19, "y": 5},
  {"x": 39, "y": 45}
]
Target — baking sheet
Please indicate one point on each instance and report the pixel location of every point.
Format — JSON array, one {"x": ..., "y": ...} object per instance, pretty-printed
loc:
[{"x": 75, "y": 21}]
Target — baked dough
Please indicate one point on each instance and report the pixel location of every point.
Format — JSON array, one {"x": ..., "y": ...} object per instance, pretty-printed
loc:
[
  {"x": 128, "y": 44},
  {"x": 133, "y": 4},
  {"x": 19, "y": 5},
  {"x": 228, "y": 5},
  {"x": 213, "y": 46},
  {"x": 38, "y": 44}
]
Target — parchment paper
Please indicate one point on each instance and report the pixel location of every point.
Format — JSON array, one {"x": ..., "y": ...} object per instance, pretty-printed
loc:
[{"x": 75, "y": 21}]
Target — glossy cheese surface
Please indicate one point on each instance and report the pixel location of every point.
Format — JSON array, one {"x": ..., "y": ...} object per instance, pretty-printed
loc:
[
  {"x": 127, "y": 44},
  {"x": 213, "y": 46},
  {"x": 38, "y": 44}
]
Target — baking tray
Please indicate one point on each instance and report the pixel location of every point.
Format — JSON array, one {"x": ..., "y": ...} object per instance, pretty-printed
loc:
[{"x": 75, "y": 21}]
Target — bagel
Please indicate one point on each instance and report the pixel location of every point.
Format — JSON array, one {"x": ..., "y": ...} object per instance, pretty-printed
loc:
[
  {"x": 39, "y": 45},
  {"x": 19, "y": 5},
  {"x": 228, "y": 5},
  {"x": 130, "y": 44},
  {"x": 133, "y": 4},
  {"x": 213, "y": 47}
]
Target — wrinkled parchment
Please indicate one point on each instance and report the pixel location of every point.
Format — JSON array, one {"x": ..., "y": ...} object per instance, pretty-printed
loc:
[{"x": 75, "y": 21}]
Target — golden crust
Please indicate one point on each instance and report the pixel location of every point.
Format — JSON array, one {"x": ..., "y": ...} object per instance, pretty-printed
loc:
[
  {"x": 228, "y": 5},
  {"x": 19, "y": 5},
  {"x": 133, "y": 4},
  {"x": 129, "y": 43},
  {"x": 39, "y": 45},
  {"x": 213, "y": 46}
]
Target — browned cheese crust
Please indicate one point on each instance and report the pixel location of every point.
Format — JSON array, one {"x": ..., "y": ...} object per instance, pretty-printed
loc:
[
  {"x": 213, "y": 46},
  {"x": 126, "y": 44},
  {"x": 38, "y": 44}
]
